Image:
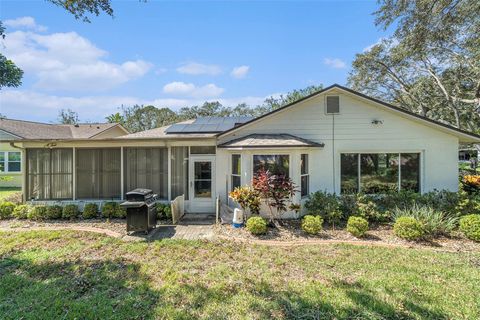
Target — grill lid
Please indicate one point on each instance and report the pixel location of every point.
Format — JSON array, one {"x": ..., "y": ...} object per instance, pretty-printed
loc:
[{"x": 139, "y": 194}]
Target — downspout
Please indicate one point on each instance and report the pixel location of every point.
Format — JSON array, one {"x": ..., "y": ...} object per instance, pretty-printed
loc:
[
  {"x": 333, "y": 154},
  {"x": 23, "y": 167}
]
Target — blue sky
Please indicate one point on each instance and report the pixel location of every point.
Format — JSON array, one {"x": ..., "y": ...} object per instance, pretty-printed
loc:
[{"x": 177, "y": 53}]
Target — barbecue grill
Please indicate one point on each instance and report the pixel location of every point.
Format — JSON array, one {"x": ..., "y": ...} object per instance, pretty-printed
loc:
[{"x": 141, "y": 211}]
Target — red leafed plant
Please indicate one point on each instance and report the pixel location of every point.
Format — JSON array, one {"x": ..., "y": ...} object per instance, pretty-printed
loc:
[{"x": 276, "y": 190}]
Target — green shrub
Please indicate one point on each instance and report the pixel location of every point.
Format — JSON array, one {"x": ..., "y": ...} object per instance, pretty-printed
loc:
[
  {"x": 312, "y": 224},
  {"x": 21, "y": 211},
  {"x": 90, "y": 210},
  {"x": 326, "y": 205},
  {"x": 162, "y": 209},
  {"x": 168, "y": 211},
  {"x": 470, "y": 226},
  {"x": 408, "y": 228},
  {"x": 70, "y": 211},
  {"x": 256, "y": 225},
  {"x": 6, "y": 209},
  {"x": 357, "y": 226},
  {"x": 113, "y": 210},
  {"x": 38, "y": 213},
  {"x": 54, "y": 212},
  {"x": 434, "y": 222}
]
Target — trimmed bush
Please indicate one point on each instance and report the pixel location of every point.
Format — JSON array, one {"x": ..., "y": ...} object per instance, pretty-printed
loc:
[
  {"x": 90, "y": 210},
  {"x": 70, "y": 211},
  {"x": 54, "y": 212},
  {"x": 168, "y": 211},
  {"x": 161, "y": 210},
  {"x": 470, "y": 226},
  {"x": 37, "y": 213},
  {"x": 21, "y": 211},
  {"x": 408, "y": 228},
  {"x": 312, "y": 224},
  {"x": 6, "y": 209},
  {"x": 113, "y": 210},
  {"x": 256, "y": 225},
  {"x": 434, "y": 222},
  {"x": 357, "y": 226},
  {"x": 326, "y": 205}
]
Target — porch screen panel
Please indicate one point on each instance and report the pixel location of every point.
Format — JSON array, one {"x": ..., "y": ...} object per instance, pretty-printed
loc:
[
  {"x": 49, "y": 174},
  {"x": 147, "y": 168},
  {"x": 98, "y": 173},
  {"x": 179, "y": 169}
]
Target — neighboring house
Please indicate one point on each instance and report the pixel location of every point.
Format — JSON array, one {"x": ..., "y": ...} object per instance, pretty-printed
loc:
[{"x": 336, "y": 140}]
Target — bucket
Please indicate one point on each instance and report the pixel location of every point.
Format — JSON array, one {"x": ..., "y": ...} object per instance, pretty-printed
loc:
[{"x": 237, "y": 218}]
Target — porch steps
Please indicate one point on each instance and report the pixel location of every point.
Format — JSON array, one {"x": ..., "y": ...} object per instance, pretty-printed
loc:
[{"x": 197, "y": 219}]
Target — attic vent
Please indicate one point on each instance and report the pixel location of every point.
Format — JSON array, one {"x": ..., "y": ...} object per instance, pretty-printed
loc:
[{"x": 333, "y": 105}]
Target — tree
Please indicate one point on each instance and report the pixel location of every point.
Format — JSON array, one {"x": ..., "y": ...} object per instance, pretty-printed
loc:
[
  {"x": 139, "y": 118},
  {"x": 81, "y": 8},
  {"x": 115, "y": 118},
  {"x": 67, "y": 116},
  {"x": 431, "y": 64},
  {"x": 10, "y": 74}
]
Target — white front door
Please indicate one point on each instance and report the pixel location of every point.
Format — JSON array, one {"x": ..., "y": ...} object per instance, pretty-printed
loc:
[{"x": 202, "y": 184}]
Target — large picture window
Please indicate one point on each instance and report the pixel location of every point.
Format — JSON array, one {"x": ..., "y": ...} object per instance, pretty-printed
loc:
[
  {"x": 49, "y": 174},
  {"x": 275, "y": 163},
  {"x": 236, "y": 177},
  {"x": 377, "y": 173},
  {"x": 98, "y": 173},
  {"x": 147, "y": 168}
]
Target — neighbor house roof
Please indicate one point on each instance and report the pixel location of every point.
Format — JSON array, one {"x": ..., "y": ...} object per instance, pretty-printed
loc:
[
  {"x": 282, "y": 140},
  {"x": 29, "y": 130},
  {"x": 471, "y": 137}
]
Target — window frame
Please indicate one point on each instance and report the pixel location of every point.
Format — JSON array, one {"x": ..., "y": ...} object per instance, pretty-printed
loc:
[
  {"x": 273, "y": 153},
  {"x": 307, "y": 175},
  {"x": 6, "y": 162},
  {"x": 399, "y": 179},
  {"x": 239, "y": 174}
]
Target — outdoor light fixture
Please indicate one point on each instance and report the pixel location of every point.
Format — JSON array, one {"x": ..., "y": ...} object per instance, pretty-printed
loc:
[{"x": 377, "y": 122}]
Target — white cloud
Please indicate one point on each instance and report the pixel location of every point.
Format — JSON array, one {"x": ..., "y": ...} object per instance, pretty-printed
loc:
[
  {"x": 189, "y": 89},
  {"x": 194, "y": 68},
  {"x": 240, "y": 72},
  {"x": 335, "y": 63},
  {"x": 24, "y": 23},
  {"x": 68, "y": 61}
]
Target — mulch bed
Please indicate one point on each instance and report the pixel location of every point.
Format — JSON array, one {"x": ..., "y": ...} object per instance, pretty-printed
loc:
[{"x": 290, "y": 231}]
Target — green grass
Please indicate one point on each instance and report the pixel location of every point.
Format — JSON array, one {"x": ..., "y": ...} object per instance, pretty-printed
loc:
[
  {"x": 67, "y": 275},
  {"x": 6, "y": 191}
]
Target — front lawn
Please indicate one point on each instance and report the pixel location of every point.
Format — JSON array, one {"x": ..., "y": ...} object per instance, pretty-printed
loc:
[{"x": 66, "y": 274}]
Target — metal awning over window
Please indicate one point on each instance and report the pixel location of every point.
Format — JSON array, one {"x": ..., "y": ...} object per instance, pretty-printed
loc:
[{"x": 281, "y": 140}]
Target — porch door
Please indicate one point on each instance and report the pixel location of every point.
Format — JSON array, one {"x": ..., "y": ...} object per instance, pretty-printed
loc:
[{"x": 202, "y": 184}]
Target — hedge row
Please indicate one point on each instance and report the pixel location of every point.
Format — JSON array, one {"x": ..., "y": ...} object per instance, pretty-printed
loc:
[{"x": 69, "y": 211}]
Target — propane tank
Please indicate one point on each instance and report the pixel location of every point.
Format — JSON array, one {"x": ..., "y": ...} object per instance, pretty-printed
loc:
[{"x": 237, "y": 218}]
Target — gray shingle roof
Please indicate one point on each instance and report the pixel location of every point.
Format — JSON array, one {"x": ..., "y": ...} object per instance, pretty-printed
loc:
[
  {"x": 160, "y": 133},
  {"x": 281, "y": 140},
  {"x": 44, "y": 131}
]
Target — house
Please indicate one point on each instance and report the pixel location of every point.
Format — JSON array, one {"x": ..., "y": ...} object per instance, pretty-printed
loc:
[{"x": 336, "y": 140}]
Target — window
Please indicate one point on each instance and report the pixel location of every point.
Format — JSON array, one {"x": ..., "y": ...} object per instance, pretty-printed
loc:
[
  {"x": 10, "y": 161},
  {"x": 304, "y": 175},
  {"x": 275, "y": 163},
  {"x": 202, "y": 150},
  {"x": 49, "y": 174},
  {"x": 236, "y": 171},
  {"x": 147, "y": 168},
  {"x": 98, "y": 173},
  {"x": 376, "y": 173}
]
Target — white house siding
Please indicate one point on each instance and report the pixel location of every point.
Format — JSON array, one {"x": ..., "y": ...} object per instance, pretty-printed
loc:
[{"x": 354, "y": 132}]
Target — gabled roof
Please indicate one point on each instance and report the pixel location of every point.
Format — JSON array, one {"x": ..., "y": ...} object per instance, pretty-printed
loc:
[
  {"x": 459, "y": 132},
  {"x": 282, "y": 140},
  {"x": 30, "y": 130}
]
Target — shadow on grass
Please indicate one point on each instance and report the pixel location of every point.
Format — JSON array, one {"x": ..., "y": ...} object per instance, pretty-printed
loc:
[{"x": 116, "y": 289}]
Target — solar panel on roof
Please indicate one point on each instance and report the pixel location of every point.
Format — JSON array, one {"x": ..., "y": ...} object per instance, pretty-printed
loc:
[{"x": 207, "y": 125}]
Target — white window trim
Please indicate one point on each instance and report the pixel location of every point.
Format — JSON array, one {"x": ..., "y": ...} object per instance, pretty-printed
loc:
[
  {"x": 305, "y": 175},
  {"x": 5, "y": 162},
  {"x": 231, "y": 170}
]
